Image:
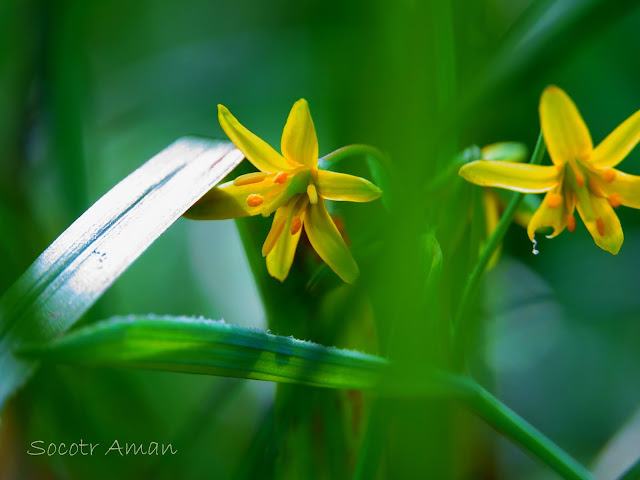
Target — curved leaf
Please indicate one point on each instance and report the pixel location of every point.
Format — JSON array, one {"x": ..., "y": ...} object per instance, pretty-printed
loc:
[{"x": 68, "y": 277}]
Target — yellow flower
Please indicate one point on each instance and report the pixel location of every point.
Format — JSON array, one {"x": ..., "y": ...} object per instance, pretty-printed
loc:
[
  {"x": 291, "y": 186},
  {"x": 492, "y": 202},
  {"x": 581, "y": 176}
]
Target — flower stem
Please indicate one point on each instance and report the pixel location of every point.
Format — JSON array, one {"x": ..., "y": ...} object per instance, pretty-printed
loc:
[
  {"x": 328, "y": 161},
  {"x": 378, "y": 162},
  {"x": 504, "y": 419},
  {"x": 443, "y": 180},
  {"x": 492, "y": 244}
]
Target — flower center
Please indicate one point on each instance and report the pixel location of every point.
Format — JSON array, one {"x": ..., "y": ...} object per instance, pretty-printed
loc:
[{"x": 275, "y": 190}]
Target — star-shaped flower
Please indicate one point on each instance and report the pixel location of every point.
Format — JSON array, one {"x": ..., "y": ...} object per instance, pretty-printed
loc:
[
  {"x": 581, "y": 176},
  {"x": 292, "y": 186}
]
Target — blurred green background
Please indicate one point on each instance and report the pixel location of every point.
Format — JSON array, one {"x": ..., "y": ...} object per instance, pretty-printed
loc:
[{"x": 89, "y": 91}]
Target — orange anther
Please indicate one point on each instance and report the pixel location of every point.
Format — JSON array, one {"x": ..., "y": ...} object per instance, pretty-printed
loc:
[
  {"x": 254, "y": 200},
  {"x": 281, "y": 177},
  {"x": 608, "y": 174},
  {"x": 296, "y": 225},
  {"x": 614, "y": 200},
  {"x": 579, "y": 178},
  {"x": 600, "y": 226},
  {"x": 554, "y": 200},
  {"x": 571, "y": 223}
]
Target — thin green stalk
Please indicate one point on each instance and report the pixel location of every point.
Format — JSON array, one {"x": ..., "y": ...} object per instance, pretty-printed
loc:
[
  {"x": 443, "y": 179},
  {"x": 374, "y": 441},
  {"x": 493, "y": 243},
  {"x": 378, "y": 162},
  {"x": 519, "y": 430},
  {"x": 329, "y": 160},
  {"x": 632, "y": 473}
]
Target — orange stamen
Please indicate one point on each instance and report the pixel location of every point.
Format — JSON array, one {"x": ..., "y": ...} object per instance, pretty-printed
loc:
[
  {"x": 600, "y": 226},
  {"x": 609, "y": 175},
  {"x": 571, "y": 223},
  {"x": 254, "y": 200},
  {"x": 274, "y": 234},
  {"x": 554, "y": 200},
  {"x": 593, "y": 186},
  {"x": 614, "y": 200},
  {"x": 281, "y": 177},
  {"x": 249, "y": 178},
  {"x": 296, "y": 225},
  {"x": 579, "y": 177}
]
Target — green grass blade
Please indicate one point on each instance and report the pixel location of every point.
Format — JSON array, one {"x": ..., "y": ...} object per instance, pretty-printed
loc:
[
  {"x": 196, "y": 345},
  {"x": 191, "y": 345},
  {"x": 68, "y": 277}
]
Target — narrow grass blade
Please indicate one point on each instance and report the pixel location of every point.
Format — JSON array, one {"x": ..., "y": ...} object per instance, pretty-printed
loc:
[
  {"x": 86, "y": 259},
  {"x": 191, "y": 345},
  {"x": 197, "y": 345},
  {"x": 183, "y": 344}
]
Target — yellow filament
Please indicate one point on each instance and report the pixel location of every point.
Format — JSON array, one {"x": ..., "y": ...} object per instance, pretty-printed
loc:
[
  {"x": 312, "y": 193},
  {"x": 249, "y": 178}
]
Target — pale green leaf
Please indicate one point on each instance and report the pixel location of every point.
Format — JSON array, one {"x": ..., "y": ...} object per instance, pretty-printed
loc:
[{"x": 68, "y": 277}]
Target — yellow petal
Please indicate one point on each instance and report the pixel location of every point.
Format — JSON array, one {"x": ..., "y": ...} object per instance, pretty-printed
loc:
[
  {"x": 604, "y": 226},
  {"x": 257, "y": 151},
  {"x": 230, "y": 201},
  {"x": 519, "y": 177},
  {"x": 327, "y": 241},
  {"x": 565, "y": 133},
  {"x": 546, "y": 216},
  {"x": 626, "y": 186},
  {"x": 280, "y": 259},
  {"x": 340, "y": 186},
  {"x": 613, "y": 149},
  {"x": 491, "y": 205},
  {"x": 506, "y": 151},
  {"x": 299, "y": 140}
]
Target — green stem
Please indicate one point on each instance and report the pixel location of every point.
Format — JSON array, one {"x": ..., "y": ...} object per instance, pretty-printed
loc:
[
  {"x": 443, "y": 179},
  {"x": 632, "y": 473},
  {"x": 504, "y": 419},
  {"x": 493, "y": 243},
  {"x": 328, "y": 161},
  {"x": 378, "y": 162}
]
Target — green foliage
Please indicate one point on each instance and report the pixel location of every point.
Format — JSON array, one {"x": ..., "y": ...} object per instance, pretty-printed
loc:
[{"x": 88, "y": 90}]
